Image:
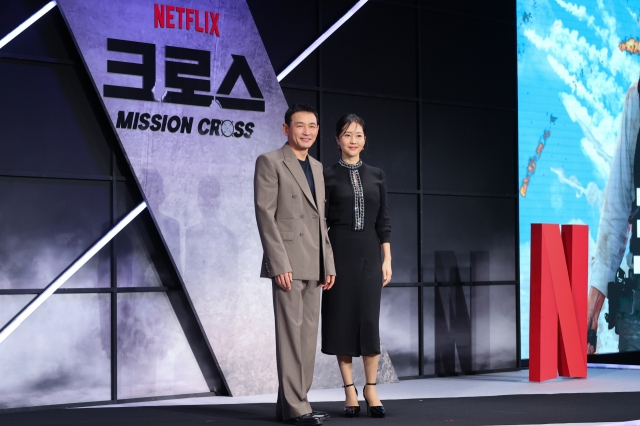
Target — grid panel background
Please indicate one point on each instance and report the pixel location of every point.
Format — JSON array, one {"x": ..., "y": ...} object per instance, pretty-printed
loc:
[{"x": 436, "y": 84}]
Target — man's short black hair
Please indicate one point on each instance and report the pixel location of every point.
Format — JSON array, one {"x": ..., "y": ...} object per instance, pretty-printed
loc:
[{"x": 298, "y": 108}]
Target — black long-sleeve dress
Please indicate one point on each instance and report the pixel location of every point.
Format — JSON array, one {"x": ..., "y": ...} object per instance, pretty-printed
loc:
[{"x": 351, "y": 309}]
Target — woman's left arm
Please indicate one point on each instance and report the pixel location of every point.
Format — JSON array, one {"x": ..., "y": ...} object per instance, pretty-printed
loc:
[
  {"x": 386, "y": 263},
  {"x": 383, "y": 228}
]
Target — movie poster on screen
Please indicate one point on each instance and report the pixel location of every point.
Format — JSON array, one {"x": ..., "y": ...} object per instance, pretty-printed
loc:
[{"x": 578, "y": 122}]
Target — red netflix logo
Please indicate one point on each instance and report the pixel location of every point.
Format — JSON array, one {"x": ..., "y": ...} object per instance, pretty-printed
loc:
[
  {"x": 558, "y": 312},
  {"x": 167, "y": 16}
]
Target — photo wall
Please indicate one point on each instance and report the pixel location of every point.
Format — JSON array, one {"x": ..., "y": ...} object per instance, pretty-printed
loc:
[
  {"x": 451, "y": 306},
  {"x": 578, "y": 120},
  {"x": 144, "y": 101}
]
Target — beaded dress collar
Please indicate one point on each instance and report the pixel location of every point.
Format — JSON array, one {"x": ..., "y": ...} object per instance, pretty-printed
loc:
[{"x": 358, "y": 194}]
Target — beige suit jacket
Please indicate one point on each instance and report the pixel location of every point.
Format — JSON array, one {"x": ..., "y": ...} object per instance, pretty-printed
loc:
[{"x": 292, "y": 226}]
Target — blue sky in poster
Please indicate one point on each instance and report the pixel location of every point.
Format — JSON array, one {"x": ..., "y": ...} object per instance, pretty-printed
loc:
[{"x": 572, "y": 81}]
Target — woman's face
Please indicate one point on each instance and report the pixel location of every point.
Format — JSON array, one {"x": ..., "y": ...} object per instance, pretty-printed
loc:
[{"x": 351, "y": 141}]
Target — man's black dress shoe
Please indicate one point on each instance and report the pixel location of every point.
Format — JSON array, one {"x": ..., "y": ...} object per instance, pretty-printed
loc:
[
  {"x": 322, "y": 416},
  {"x": 305, "y": 419}
]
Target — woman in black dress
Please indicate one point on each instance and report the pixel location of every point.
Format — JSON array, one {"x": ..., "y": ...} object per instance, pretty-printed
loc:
[{"x": 358, "y": 226}]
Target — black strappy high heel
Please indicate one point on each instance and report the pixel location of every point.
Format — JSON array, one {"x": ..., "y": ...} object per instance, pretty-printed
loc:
[
  {"x": 376, "y": 411},
  {"x": 354, "y": 410}
]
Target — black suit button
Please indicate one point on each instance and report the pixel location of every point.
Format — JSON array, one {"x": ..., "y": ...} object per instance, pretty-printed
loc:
[
  {"x": 301, "y": 234},
  {"x": 302, "y": 216},
  {"x": 293, "y": 196}
]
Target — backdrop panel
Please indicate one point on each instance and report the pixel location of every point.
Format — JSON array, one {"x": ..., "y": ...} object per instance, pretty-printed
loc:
[
  {"x": 399, "y": 311},
  {"x": 50, "y": 223},
  {"x": 302, "y": 20},
  {"x": 362, "y": 42},
  {"x": 453, "y": 223},
  {"x": 485, "y": 75},
  {"x": 194, "y": 104},
  {"x": 199, "y": 186},
  {"x": 441, "y": 124},
  {"x": 403, "y": 211},
  {"x": 29, "y": 88},
  {"x": 455, "y": 159},
  {"x": 154, "y": 357},
  {"x": 60, "y": 354}
]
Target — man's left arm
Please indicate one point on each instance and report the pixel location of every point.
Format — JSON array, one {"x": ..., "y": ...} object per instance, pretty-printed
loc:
[{"x": 329, "y": 265}]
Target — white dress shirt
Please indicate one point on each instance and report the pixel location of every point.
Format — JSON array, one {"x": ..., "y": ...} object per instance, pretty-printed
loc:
[{"x": 619, "y": 199}]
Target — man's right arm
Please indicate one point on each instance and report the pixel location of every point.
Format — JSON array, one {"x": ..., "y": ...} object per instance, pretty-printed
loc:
[
  {"x": 596, "y": 300},
  {"x": 265, "y": 186},
  {"x": 613, "y": 229}
]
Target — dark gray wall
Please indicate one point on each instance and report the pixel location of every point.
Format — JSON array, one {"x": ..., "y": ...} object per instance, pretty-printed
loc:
[{"x": 436, "y": 84}]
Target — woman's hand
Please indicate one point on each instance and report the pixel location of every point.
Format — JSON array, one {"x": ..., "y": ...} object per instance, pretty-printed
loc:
[{"x": 386, "y": 272}]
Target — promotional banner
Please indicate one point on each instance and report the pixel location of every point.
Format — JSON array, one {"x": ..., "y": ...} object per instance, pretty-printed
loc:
[
  {"x": 578, "y": 121},
  {"x": 193, "y": 96},
  {"x": 194, "y": 99}
]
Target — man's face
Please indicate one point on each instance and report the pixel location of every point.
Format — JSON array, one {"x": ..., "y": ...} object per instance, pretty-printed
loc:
[{"x": 303, "y": 130}]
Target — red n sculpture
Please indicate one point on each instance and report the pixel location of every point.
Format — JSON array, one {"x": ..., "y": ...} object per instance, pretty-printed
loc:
[{"x": 558, "y": 313}]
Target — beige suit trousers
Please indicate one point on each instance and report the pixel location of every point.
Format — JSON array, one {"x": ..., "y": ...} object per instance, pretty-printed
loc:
[{"x": 296, "y": 318}]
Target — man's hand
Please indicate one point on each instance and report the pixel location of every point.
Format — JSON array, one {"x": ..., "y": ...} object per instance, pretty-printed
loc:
[
  {"x": 328, "y": 283},
  {"x": 596, "y": 300},
  {"x": 284, "y": 280}
]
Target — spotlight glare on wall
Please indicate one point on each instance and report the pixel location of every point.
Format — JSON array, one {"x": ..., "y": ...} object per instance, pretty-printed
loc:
[
  {"x": 68, "y": 273},
  {"x": 321, "y": 39},
  {"x": 26, "y": 24}
]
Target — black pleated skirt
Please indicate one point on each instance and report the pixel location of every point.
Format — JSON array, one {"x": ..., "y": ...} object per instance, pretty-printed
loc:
[{"x": 351, "y": 309}]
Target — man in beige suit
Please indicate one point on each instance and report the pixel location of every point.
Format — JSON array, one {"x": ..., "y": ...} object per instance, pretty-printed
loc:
[{"x": 289, "y": 203}]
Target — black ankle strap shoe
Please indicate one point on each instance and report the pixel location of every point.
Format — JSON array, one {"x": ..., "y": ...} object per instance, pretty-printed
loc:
[
  {"x": 353, "y": 410},
  {"x": 377, "y": 411}
]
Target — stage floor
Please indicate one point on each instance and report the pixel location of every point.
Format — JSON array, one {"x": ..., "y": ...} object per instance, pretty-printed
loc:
[
  {"x": 608, "y": 397},
  {"x": 600, "y": 380}
]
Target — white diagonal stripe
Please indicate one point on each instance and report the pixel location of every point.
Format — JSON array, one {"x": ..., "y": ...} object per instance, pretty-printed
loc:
[
  {"x": 68, "y": 273},
  {"x": 321, "y": 39},
  {"x": 26, "y": 24}
]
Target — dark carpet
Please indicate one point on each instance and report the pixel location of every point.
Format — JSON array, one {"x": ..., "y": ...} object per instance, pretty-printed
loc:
[{"x": 493, "y": 410}]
